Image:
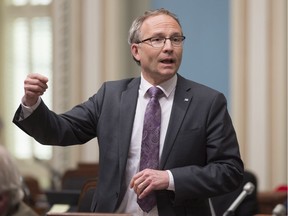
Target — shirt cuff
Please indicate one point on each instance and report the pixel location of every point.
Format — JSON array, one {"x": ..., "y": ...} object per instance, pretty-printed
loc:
[
  {"x": 171, "y": 185},
  {"x": 26, "y": 111}
]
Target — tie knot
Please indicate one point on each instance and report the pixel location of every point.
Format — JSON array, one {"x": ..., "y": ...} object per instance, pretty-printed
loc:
[{"x": 154, "y": 92}]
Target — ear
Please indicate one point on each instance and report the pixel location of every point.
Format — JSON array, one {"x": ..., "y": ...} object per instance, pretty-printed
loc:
[{"x": 135, "y": 51}]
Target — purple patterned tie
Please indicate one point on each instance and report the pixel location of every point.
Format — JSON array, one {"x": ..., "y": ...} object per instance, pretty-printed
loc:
[{"x": 150, "y": 142}]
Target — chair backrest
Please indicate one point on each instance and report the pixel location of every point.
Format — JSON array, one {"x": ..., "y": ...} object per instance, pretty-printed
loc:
[
  {"x": 31, "y": 189},
  {"x": 86, "y": 195},
  {"x": 88, "y": 166},
  {"x": 75, "y": 179}
]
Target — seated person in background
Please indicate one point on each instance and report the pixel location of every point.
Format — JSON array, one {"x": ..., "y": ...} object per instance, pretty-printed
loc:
[
  {"x": 11, "y": 194},
  {"x": 248, "y": 206}
]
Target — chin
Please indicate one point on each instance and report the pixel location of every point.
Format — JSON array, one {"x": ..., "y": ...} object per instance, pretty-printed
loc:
[
  {"x": 166, "y": 75},
  {"x": 168, "y": 72}
]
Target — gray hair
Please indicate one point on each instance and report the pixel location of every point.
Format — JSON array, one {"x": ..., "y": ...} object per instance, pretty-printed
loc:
[
  {"x": 10, "y": 178},
  {"x": 134, "y": 32}
]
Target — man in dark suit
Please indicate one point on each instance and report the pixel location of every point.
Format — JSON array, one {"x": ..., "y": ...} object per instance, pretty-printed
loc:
[{"x": 198, "y": 154}]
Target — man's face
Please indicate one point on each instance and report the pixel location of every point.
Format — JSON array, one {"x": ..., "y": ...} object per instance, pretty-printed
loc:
[{"x": 158, "y": 64}]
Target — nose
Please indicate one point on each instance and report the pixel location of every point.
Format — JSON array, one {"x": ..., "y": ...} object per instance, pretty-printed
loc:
[{"x": 168, "y": 44}]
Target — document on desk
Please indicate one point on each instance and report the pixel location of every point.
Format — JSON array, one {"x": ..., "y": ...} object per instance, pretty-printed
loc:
[{"x": 59, "y": 208}]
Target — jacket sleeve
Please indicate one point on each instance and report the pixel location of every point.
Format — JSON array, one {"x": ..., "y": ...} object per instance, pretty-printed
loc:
[{"x": 75, "y": 126}]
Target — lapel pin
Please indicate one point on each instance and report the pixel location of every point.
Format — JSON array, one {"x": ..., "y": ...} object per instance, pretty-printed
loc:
[{"x": 186, "y": 99}]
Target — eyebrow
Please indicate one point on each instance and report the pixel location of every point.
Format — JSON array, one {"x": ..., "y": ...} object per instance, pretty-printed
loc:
[{"x": 160, "y": 34}]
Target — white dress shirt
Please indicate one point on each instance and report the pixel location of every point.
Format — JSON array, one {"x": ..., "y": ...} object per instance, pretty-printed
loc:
[{"x": 129, "y": 203}]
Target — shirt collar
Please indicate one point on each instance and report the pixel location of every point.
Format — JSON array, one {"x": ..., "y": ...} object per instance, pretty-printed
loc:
[{"x": 167, "y": 87}]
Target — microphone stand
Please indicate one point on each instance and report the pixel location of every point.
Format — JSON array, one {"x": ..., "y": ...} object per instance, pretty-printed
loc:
[
  {"x": 247, "y": 189},
  {"x": 229, "y": 213}
]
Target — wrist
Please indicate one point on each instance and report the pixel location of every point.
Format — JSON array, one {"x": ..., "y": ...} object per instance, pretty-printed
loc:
[{"x": 29, "y": 103}]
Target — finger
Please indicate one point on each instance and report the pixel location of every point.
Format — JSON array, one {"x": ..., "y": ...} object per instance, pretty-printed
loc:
[
  {"x": 139, "y": 187},
  {"x": 34, "y": 86},
  {"x": 38, "y": 77},
  {"x": 37, "y": 89},
  {"x": 135, "y": 178},
  {"x": 142, "y": 182},
  {"x": 36, "y": 80},
  {"x": 147, "y": 189},
  {"x": 42, "y": 83},
  {"x": 33, "y": 94}
]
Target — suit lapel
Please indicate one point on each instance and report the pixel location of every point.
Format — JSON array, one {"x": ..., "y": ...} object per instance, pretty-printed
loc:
[
  {"x": 182, "y": 100},
  {"x": 127, "y": 114}
]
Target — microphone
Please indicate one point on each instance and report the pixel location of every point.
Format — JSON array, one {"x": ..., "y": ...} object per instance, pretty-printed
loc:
[
  {"x": 247, "y": 190},
  {"x": 279, "y": 210}
]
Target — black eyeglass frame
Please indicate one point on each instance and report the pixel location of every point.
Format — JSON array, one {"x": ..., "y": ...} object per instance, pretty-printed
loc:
[{"x": 165, "y": 38}]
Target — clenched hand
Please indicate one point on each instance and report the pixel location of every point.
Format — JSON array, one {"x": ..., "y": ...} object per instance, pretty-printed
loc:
[{"x": 34, "y": 86}]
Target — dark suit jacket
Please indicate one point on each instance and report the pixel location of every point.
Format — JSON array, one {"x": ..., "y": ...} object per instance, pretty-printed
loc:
[{"x": 200, "y": 148}]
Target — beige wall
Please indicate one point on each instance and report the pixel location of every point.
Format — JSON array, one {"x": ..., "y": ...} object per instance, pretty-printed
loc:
[
  {"x": 259, "y": 87},
  {"x": 98, "y": 43}
]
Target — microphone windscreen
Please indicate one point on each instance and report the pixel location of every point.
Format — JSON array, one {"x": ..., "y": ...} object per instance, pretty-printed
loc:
[
  {"x": 249, "y": 187},
  {"x": 279, "y": 210}
]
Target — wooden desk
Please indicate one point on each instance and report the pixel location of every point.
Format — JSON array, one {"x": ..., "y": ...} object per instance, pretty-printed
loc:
[
  {"x": 263, "y": 215},
  {"x": 84, "y": 214}
]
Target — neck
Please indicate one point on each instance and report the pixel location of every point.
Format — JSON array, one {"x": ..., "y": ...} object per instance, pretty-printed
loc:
[{"x": 157, "y": 80}]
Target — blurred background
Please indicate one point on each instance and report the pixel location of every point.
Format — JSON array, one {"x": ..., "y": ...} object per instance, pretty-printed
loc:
[{"x": 238, "y": 47}]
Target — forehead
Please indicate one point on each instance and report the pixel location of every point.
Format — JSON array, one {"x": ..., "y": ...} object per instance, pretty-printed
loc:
[{"x": 160, "y": 24}]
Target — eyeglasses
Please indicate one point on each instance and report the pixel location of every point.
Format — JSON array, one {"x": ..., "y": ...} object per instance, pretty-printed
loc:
[{"x": 159, "y": 42}]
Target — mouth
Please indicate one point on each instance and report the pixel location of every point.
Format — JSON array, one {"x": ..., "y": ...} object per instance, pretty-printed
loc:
[{"x": 167, "y": 61}]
